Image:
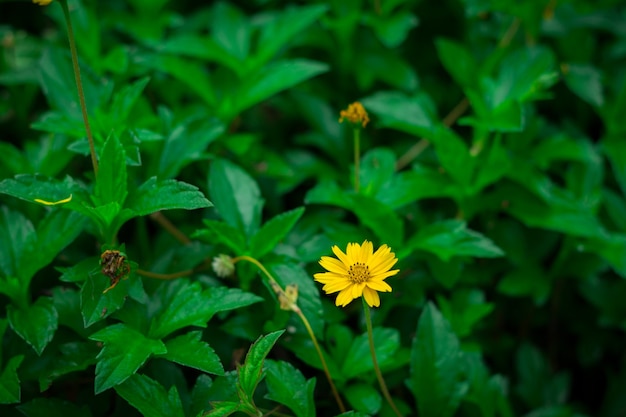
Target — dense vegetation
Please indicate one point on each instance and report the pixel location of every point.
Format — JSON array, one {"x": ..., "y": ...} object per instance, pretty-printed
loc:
[{"x": 172, "y": 257}]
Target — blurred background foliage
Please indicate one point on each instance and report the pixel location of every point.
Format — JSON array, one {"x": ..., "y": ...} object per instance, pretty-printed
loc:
[{"x": 494, "y": 166}]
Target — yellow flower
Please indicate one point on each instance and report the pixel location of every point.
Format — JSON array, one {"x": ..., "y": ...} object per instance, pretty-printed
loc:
[
  {"x": 358, "y": 272},
  {"x": 42, "y": 2},
  {"x": 355, "y": 114}
]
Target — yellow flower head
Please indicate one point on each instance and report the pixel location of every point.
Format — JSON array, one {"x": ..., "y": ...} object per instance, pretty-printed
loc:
[
  {"x": 358, "y": 272},
  {"x": 42, "y": 2},
  {"x": 355, "y": 114}
]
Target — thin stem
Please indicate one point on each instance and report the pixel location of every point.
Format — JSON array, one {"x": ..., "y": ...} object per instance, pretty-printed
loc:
[
  {"x": 169, "y": 226},
  {"x": 79, "y": 85},
  {"x": 300, "y": 314},
  {"x": 379, "y": 375},
  {"x": 357, "y": 158},
  {"x": 156, "y": 275},
  {"x": 294, "y": 307}
]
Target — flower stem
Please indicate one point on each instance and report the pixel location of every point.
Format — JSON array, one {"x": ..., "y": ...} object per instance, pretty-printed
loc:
[
  {"x": 357, "y": 159},
  {"x": 379, "y": 375},
  {"x": 294, "y": 307},
  {"x": 79, "y": 85}
]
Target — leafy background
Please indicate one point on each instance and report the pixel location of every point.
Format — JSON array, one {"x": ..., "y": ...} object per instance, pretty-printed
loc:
[{"x": 494, "y": 166}]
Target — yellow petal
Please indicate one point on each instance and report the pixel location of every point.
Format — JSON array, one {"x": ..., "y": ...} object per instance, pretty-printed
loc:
[
  {"x": 344, "y": 298},
  {"x": 383, "y": 275},
  {"x": 335, "y": 286},
  {"x": 357, "y": 289},
  {"x": 333, "y": 265},
  {"x": 54, "y": 203},
  {"x": 371, "y": 297},
  {"x": 342, "y": 256},
  {"x": 378, "y": 286}
]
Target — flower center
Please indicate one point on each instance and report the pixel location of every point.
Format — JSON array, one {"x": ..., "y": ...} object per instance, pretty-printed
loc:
[{"x": 359, "y": 272}]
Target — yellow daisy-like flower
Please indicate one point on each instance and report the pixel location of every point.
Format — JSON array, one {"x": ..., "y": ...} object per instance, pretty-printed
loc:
[
  {"x": 355, "y": 113},
  {"x": 358, "y": 272},
  {"x": 42, "y": 2}
]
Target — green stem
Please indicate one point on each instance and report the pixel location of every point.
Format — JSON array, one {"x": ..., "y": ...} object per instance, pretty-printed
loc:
[
  {"x": 306, "y": 323},
  {"x": 357, "y": 159},
  {"x": 379, "y": 375},
  {"x": 79, "y": 85}
]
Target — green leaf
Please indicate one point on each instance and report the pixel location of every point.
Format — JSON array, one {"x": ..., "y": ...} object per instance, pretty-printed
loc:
[
  {"x": 57, "y": 230},
  {"x": 450, "y": 238},
  {"x": 223, "y": 409},
  {"x": 18, "y": 238},
  {"x": 184, "y": 145},
  {"x": 383, "y": 221},
  {"x": 30, "y": 187},
  {"x": 36, "y": 324},
  {"x": 186, "y": 304},
  {"x": 111, "y": 182},
  {"x": 393, "y": 29},
  {"x": 124, "y": 351},
  {"x": 190, "y": 350},
  {"x": 10, "y": 392},
  {"x": 221, "y": 232},
  {"x": 585, "y": 81},
  {"x": 96, "y": 305},
  {"x": 251, "y": 372},
  {"x": 231, "y": 30},
  {"x": 458, "y": 61},
  {"x": 237, "y": 196},
  {"x": 287, "y": 385},
  {"x": 527, "y": 280},
  {"x": 153, "y": 196},
  {"x": 612, "y": 248},
  {"x": 281, "y": 27},
  {"x": 615, "y": 151},
  {"x": 364, "y": 398},
  {"x": 53, "y": 407},
  {"x": 411, "y": 114},
  {"x": 464, "y": 309},
  {"x": 150, "y": 398},
  {"x": 64, "y": 359},
  {"x": 436, "y": 366},
  {"x": 272, "y": 79},
  {"x": 358, "y": 360},
  {"x": 377, "y": 168},
  {"x": 454, "y": 156},
  {"x": 272, "y": 232}
]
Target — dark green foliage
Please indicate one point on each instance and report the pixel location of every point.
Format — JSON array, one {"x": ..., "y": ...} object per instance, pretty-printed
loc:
[{"x": 493, "y": 165}]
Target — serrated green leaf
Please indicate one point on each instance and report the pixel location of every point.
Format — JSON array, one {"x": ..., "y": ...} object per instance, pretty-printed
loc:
[
  {"x": 53, "y": 407},
  {"x": 251, "y": 372},
  {"x": 436, "y": 366},
  {"x": 358, "y": 360},
  {"x": 36, "y": 324},
  {"x": 96, "y": 305},
  {"x": 223, "y": 409},
  {"x": 273, "y": 231},
  {"x": 186, "y": 304},
  {"x": 527, "y": 280},
  {"x": 111, "y": 182},
  {"x": 231, "y": 30},
  {"x": 124, "y": 351},
  {"x": 30, "y": 187},
  {"x": 450, "y": 238},
  {"x": 377, "y": 168},
  {"x": 190, "y": 350},
  {"x": 10, "y": 391},
  {"x": 237, "y": 196},
  {"x": 383, "y": 221},
  {"x": 150, "y": 398},
  {"x": 287, "y": 385},
  {"x": 153, "y": 196}
]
